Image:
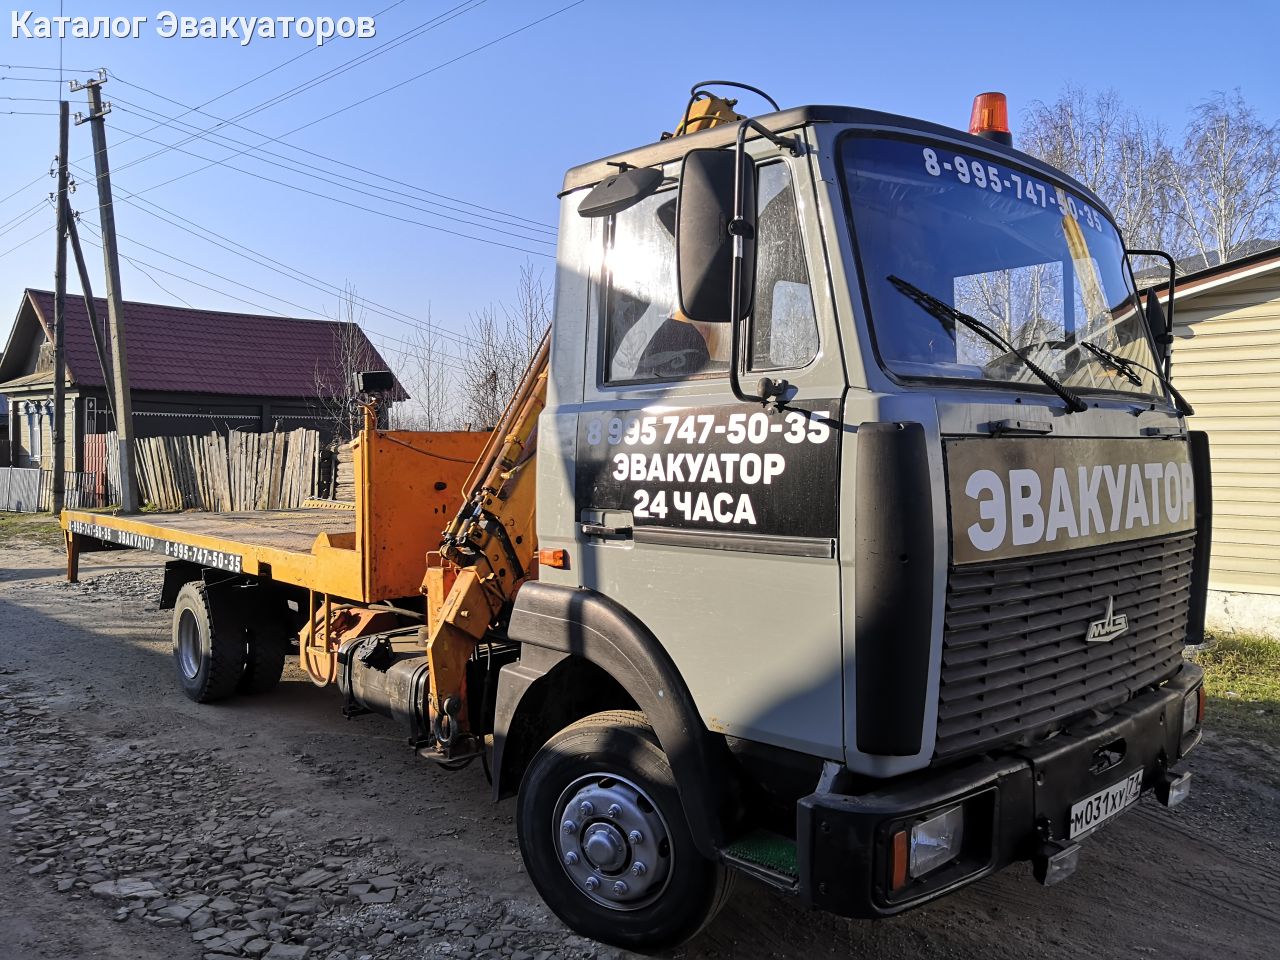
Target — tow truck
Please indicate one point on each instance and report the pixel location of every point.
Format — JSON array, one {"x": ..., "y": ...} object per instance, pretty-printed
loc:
[{"x": 845, "y": 532}]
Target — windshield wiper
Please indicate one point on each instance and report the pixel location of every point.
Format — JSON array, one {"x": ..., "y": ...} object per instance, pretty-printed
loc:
[
  {"x": 944, "y": 312},
  {"x": 1125, "y": 366},
  {"x": 1114, "y": 361}
]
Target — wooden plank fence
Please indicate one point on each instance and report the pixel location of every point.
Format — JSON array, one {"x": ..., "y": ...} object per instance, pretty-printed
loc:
[
  {"x": 244, "y": 471},
  {"x": 247, "y": 471}
]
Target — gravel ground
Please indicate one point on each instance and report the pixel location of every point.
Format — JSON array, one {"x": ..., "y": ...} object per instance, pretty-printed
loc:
[{"x": 135, "y": 824}]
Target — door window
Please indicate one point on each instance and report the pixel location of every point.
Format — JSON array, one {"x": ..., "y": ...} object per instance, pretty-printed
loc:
[
  {"x": 644, "y": 338},
  {"x": 784, "y": 329},
  {"x": 647, "y": 340}
]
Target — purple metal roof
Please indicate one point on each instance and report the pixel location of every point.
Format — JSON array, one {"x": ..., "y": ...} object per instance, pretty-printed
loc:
[{"x": 185, "y": 350}]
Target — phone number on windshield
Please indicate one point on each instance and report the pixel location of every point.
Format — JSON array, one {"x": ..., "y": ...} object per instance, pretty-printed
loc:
[{"x": 987, "y": 176}]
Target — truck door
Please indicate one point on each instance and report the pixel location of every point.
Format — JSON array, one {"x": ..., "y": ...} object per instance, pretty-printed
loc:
[{"x": 711, "y": 520}]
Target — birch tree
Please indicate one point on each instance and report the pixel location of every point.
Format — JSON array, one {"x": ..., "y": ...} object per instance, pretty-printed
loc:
[{"x": 1228, "y": 185}]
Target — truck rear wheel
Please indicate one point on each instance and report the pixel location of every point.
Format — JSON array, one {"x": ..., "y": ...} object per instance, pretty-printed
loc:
[
  {"x": 605, "y": 840},
  {"x": 208, "y": 650},
  {"x": 264, "y": 659}
]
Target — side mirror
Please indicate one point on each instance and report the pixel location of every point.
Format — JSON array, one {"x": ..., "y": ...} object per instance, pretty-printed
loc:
[
  {"x": 1157, "y": 322},
  {"x": 705, "y": 226}
]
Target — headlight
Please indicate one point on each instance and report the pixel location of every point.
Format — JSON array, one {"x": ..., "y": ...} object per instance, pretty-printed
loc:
[
  {"x": 1192, "y": 710},
  {"x": 936, "y": 841}
]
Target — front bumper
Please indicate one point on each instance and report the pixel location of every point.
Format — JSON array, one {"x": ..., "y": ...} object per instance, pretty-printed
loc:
[{"x": 1016, "y": 806}]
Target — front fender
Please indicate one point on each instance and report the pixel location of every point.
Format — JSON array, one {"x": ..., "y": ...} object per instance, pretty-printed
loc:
[{"x": 553, "y": 623}]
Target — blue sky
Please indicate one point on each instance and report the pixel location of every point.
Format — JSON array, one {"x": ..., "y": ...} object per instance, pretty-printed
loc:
[{"x": 497, "y": 128}]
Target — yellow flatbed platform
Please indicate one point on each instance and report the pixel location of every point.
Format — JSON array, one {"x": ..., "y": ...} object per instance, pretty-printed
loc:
[{"x": 408, "y": 487}]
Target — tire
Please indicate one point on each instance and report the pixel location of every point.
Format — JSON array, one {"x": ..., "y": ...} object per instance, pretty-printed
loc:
[
  {"x": 208, "y": 649},
  {"x": 607, "y": 775},
  {"x": 265, "y": 651}
]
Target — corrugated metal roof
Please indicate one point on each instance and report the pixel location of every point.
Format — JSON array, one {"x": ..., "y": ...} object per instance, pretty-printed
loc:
[{"x": 185, "y": 350}]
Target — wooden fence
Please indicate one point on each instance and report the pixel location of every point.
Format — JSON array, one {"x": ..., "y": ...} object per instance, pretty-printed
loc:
[{"x": 243, "y": 471}]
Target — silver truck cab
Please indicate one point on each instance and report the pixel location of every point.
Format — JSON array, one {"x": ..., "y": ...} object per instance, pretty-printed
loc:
[{"x": 908, "y": 606}]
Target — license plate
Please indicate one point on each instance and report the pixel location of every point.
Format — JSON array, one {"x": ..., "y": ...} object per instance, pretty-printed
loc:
[{"x": 1092, "y": 812}]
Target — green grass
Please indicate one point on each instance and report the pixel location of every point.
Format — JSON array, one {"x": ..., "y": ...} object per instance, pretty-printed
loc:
[
  {"x": 1242, "y": 679},
  {"x": 39, "y": 528}
]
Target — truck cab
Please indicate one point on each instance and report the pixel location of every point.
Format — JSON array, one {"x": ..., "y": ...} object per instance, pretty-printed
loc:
[{"x": 911, "y": 603}]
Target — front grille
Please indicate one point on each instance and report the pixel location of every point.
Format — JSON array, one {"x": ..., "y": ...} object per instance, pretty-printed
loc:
[{"x": 1015, "y": 664}]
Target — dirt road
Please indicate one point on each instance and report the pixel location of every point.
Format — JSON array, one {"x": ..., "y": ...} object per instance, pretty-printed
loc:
[{"x": 136, "y": 824}]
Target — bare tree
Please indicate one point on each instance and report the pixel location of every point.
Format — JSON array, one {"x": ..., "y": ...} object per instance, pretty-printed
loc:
[
  {"x": 335, "y": 384},
  {"x": 1228, "y": 182},
  {"x": 1122, "y": 157},
  {"x": 428, "y": 376},
  {"x": 1213, "y": 195},
  {"x": 504, "y": 340}
]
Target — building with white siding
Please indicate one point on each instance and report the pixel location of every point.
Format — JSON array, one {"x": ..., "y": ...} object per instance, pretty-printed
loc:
[{"x": 1226, "y": 361}]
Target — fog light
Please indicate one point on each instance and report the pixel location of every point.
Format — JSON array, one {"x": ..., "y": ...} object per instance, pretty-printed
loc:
[
  {"x": 936, "y": 841},
  {"x": 1172, "y": 789},
  {"x": 1191, "y": 710}
]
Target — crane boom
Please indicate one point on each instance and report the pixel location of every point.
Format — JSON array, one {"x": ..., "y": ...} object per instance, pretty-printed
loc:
[{"x": 488, "y": 551}]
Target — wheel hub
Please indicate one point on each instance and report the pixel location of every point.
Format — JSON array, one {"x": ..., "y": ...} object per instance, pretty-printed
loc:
[
  {"x": 612, "y": 841},
  {"x": 189, "y": 645},
  {"x": 605, "y": 847}
]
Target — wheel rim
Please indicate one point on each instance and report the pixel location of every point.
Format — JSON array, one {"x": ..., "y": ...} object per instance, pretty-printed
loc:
[
  {"x": 188, "y": 645},
  {"x": 612, "y": 841}
]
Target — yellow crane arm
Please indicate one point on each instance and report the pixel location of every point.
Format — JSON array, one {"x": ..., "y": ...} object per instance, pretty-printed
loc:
[{"x": 488, "y": 551}]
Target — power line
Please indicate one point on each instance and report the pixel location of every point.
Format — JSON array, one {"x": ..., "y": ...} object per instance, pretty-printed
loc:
[
  {"x": 43, "y": 231},
  {"x": 279, "y": 66},
  {"x": 413, "y": 33},
  {"x": 256, "y": 257},
  {"x": 535, "y": 225},
  {"x": 429, "y": 24},
  {"x": 28, "y": 66},
  {"x": 21, "y": 218},
  {"x": 23, "y": 188},
  {"x": 449, "y": 14},
  {"x": 35, "y": 79},
  {"x": 357, "y": 206},
  {"x": 373, "y": 96},
  {"x": 346, "y": 183}
]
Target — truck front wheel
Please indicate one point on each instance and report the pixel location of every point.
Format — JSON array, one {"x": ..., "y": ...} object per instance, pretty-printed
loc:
[
  {"x": 605, "y": 840},
  {"x": 209, "y": 650}
]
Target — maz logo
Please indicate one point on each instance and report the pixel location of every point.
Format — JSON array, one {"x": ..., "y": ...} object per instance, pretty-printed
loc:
[{"x": 1109, "y": 627}]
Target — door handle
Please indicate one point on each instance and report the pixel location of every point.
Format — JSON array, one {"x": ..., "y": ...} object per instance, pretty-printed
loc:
[{"x": 603, "y": 530}]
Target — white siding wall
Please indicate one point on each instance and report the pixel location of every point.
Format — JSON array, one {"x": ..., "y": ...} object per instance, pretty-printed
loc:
[{"x": 1226, "y": 360}]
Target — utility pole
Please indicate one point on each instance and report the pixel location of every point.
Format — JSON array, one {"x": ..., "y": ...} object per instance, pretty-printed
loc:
[
  {"x": 115, "y": 301},
  {"x": 59, "y": 431},
  {"x": 104, "y": 362}
]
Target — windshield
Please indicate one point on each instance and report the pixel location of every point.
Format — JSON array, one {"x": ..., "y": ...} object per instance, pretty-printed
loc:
[{"x": 1027, "y": 257}]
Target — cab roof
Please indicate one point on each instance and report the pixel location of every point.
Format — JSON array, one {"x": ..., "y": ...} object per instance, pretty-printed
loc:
[{"x": 664, "y": 151}]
